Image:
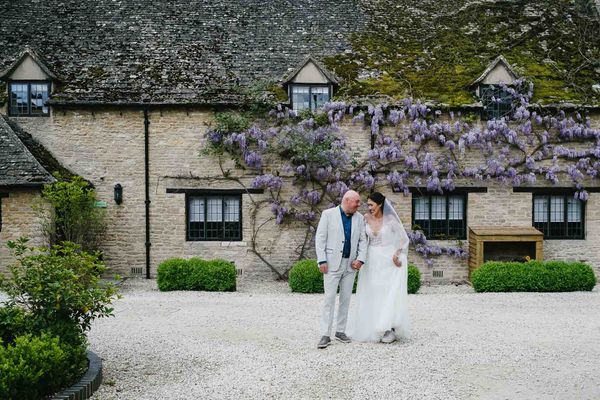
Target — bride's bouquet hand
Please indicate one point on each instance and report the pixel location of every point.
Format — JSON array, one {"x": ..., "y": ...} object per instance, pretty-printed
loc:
[{"x": 397, "y": 261}]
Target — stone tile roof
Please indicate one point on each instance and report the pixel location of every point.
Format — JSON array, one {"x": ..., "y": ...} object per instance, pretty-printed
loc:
[
  {"x": 179, "y": 51},
  {"x": 18, "y": 167}
]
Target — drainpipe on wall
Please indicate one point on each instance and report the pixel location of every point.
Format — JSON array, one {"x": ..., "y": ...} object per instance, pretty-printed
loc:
[{"x": 147, "y": 190}]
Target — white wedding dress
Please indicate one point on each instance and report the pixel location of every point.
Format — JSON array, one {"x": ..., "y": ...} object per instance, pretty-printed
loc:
[{"x": 382, "y": 294}]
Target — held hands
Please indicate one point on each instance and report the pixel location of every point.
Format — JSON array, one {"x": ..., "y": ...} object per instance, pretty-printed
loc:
[
  {"x": 357, "y": 264},
  {"x": 397, "y": 261}
]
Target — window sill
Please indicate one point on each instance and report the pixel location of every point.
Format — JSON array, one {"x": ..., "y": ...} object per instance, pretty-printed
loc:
[{"x": 217, "y": 243}]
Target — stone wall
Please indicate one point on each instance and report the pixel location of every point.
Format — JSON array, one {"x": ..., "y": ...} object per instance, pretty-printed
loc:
[
  {"x": 18, "y": 219},
  {"x": 106, "y": 146}
]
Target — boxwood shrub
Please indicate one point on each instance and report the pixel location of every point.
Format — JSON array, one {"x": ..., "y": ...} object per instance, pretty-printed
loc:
[
  {"x": 414, "y": 279},
  {"x": 533, "y": 276},
  {"x": 196, "y": 274},
  {"x": 35, "y": 366},
  {"x": 305, "y": 277}
]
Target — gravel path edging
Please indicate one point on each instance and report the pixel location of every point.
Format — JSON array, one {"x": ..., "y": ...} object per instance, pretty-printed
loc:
[{"x": 88, "y": 384}]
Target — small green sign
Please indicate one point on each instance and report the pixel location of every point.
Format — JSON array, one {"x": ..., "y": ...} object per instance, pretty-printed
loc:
[{"x": 100, "y": 204}]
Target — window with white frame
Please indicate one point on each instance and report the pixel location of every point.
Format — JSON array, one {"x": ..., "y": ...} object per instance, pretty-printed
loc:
[
  {"x": 559, "y": 216},
  {"x": 28, "y": 99},
  {"x": 309, "y": 97},
  {"x": 214, "y": 217},
  {"x": 440, "y": 216}
]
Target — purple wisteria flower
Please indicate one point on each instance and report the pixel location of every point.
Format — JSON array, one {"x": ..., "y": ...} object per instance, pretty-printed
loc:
[
  {"x": 279, "y": 211},
  {"x": 267, "y": 181}
]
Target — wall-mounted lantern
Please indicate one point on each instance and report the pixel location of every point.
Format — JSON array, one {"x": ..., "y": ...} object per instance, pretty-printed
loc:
[{"x": 118, "y": 193}]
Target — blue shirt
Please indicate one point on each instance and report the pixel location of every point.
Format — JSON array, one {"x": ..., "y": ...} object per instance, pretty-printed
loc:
[{"x": 347, "y": 222}]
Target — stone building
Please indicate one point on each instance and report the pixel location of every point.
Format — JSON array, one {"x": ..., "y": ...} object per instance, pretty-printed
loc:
[{"x": 121, "y": 94}]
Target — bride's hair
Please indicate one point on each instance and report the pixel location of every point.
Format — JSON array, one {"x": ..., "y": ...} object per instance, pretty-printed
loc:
[{"x": 378, "y": 198}]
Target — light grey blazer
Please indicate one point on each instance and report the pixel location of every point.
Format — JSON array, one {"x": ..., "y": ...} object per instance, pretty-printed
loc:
[{"x": 329, "y": 240}]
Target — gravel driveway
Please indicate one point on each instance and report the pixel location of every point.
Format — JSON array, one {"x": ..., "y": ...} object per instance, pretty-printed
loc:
[{"x": 260, "y": 343}]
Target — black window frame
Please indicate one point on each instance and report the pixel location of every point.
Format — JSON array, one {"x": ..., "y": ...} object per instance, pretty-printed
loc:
[
  {"x": 548, "y": 229},
  {"x": 222, "y": 237},
  {"x": 494, "y": 110},
  {"x": 427, "y": 229},
  {"x": 11, "y": 112},
  {"x": 310, "y": 97}
]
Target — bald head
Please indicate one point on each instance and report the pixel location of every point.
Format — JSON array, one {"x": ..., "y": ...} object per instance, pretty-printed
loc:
[{"x": 350, "y": 202}]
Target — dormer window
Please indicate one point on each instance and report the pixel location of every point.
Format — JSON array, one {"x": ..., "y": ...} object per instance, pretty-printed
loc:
[
  {"x": 29, "y": 84},
  {"x": 28, "y": 99},
  {"x": 496, "y": 101},
  {"x": 309, "y": 97},
  {"x": 310, "y": 85}
]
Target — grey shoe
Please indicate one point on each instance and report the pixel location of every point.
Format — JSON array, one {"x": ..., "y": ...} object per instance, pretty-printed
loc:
[
  {"x": 388, "y": 337},
  {"x": 341, "y": 336},
  {"x": 324, "y": 342}
]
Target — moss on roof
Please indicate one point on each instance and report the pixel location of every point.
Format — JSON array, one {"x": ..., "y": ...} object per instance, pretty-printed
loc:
[{"x": 434, "y": 49}]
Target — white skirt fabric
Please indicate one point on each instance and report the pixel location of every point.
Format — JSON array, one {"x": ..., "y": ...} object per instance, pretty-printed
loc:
[{"x": 381, "y": 297}]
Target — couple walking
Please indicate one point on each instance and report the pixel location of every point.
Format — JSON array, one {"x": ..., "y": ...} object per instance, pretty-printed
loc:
[{"x": 377, "y": 245}]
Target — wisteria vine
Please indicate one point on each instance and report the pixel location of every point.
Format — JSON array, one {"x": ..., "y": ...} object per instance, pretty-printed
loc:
[{"x": 414, "y": 145}]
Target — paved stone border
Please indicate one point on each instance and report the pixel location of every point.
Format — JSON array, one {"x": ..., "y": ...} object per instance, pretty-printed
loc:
[{"x": 88, "y": 384}]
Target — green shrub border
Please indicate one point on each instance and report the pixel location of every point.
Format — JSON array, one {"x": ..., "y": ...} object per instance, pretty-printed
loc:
[
  {"x": 533, "y": 276},
  {"x": 216, "y": 275}
]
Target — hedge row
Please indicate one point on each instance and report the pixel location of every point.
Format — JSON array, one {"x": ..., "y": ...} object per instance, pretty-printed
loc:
[
  {"x": 305, "y": 277},
  {"x": 533, "y": 276},
  {"x": 196, "y": 274}
]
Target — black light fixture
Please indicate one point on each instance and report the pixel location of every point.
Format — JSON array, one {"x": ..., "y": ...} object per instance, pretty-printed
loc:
[{"x": 118, "y": 193}]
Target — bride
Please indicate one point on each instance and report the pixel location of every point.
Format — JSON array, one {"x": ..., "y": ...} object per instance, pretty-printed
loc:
[{"x": 381, "y": 312}]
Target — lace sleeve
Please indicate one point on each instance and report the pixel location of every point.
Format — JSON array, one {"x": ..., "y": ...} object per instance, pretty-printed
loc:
[{"x": 398, "y": 234}]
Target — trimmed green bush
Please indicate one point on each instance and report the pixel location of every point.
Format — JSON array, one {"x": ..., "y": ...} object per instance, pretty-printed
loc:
[
  {"x": 305, "y": 277},
  {"x": 414, "y": 279},
  {"x": 219, "y": 277},
  {"x": 36, "y": 366},
  {"x": 173, "y": 274},
  {"x": 196, "y": 274},
  {"x": 533, "y": 276}
]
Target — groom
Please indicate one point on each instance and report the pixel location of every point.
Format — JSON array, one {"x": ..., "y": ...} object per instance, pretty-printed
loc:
[{"x": 341, "y": 248}]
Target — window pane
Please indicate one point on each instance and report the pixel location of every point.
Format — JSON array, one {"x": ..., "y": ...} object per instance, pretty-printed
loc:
[
  {"x": 19, "y": 94},
  {"x": 215, "y": 209},
  {"x": 320, "y": 96},
  {"x": 232, "y": 209},
  {"x": 455, "y": 208},
  {"x": 39, "y": 97},
  {"x": 574, "y": 210},
  {"x": 232, "y": 218},
  {"x": 540, "y": 209},
  {"x": 196, "y": 210},
  {"x": 214, "y": 217},
  {"x": 300, "y": 97},
  {"x": 438, "y": 207},
  {"x": 421, "y": 205},
  {"x": 557, "y": 209},
  {"x": 497, "y": 102},
  {"x": 196, "y": 218}
]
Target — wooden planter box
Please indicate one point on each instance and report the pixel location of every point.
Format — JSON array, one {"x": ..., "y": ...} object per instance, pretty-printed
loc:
[{"x": 504, "y": 243}]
